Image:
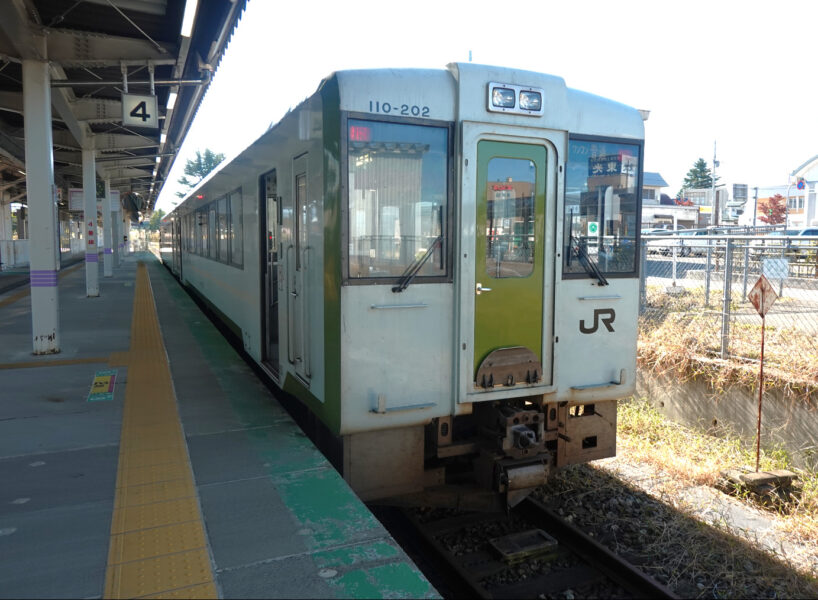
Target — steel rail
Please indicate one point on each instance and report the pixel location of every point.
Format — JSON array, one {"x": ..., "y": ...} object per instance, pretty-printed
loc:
[{"x": 589, "y": 549}]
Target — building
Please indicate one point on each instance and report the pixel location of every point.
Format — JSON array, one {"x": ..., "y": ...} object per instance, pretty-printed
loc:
[
  {"x": 802, "y": 206},
  {"x": 660, "y": 210}
]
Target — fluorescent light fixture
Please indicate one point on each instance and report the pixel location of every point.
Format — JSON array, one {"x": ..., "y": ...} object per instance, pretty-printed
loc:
[
  {"x": 190, "y": 15},
  {"x": 171, "y": 100},
  {"x": 162, "y": 138},
  {"x": 158, "y": 158}
]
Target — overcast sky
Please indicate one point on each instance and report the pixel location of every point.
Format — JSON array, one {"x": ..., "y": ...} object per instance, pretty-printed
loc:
[{"x": 740, "y": 73}]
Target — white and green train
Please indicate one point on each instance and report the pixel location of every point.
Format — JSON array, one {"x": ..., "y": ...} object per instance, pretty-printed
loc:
[{"x": 441, "y": 267}]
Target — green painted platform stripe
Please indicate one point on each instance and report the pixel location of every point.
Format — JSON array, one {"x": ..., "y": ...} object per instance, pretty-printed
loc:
[{"x": 320, "y": 502}]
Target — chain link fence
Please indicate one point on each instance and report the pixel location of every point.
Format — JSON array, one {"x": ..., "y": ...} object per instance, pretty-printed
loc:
[{"x": 694, "y": 300}]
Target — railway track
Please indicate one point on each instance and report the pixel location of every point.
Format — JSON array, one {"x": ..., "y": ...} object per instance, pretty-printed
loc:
[{"x": 532, "y": 553}]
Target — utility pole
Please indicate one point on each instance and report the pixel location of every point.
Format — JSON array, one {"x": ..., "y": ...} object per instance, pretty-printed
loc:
[
  {"x": 716, "y": 208},
  {"x": 755, "y": 208}
]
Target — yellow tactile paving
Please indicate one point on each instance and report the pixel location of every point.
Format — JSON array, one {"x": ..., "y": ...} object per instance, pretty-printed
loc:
[
  {"x": 205, "y": 592},
  {"x": 161, "y": 574},
  {"x": 157, "y": 514},
  {"x": 134, "y": 495},
  {"x": 36, "y": 364},
  {"x": 150, "y": 543},
  {"x": 158, "y": 544},
  {"x": 153, "y": 473},
  {"x": 146, "y": 458}
]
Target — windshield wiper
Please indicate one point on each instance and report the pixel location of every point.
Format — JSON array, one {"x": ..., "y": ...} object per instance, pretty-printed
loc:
[
  {"x": 413, "y": 269},
  {"x": 587, "y": 262}
]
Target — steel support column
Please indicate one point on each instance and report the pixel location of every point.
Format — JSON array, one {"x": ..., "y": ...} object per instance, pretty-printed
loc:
[
  {"x": 89, "y": 187},
  {"x": 40, "y": 192},
  {"x": 117, "y": 234},
  {"x": 108, "y": 226}
]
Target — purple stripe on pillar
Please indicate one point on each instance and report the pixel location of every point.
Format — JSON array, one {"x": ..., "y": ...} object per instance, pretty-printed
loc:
[
  {"x": 109, "y": 250},
  {"x": 43, "y": 278},
  {"x": 91, "y": 257}
]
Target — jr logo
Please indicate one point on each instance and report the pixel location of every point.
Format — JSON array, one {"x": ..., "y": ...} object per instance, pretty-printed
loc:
[{"x": 606, "y": 315}]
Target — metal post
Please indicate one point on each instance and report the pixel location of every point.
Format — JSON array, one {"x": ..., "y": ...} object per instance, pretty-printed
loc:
[
  {"x": 117, "y": 232},
  {"x": 643, "y": 275},
  {"x": 783, "y": 256},
  {"x": 108, "y": 226},
  {"x": 89, "y": 187},
  {"x": 746, "y": 268},
  {"x": 716, "y": 210},
  {"x": 755, "y": 210},
  {"x": 725, "y": 312},
  {"x": 760, "y": 386},
  {"x": 43, "y": 236},
  {"x": 707, "y": 267},
  {"x": 675, "y": 252}
]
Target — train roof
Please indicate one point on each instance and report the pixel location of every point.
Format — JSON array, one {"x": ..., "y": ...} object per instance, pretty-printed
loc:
[{"x": 458, "y": 93}]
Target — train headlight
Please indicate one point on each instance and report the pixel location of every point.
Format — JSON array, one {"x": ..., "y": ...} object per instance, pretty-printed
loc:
[
  {"x": 515, "y": 99},
  {"x": 502, "y": 97},
  {"x": 531, "y": 100}
]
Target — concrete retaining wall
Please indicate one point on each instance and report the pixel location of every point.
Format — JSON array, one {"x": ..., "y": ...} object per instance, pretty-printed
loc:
[{"x": 789, "y": 422}]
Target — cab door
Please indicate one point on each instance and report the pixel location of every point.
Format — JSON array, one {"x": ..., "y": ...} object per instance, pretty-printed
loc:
[
  {"x": 271, "y": 211},
  {"x": 509, "y": 260}
]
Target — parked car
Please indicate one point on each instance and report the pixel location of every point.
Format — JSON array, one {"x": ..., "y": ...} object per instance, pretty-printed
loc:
[
  {"x": 801, "y": 248},
  {"x": 658, "y": 242},
  {"x": 771, "y": 243},
  {"x": 691, "y": 245}
]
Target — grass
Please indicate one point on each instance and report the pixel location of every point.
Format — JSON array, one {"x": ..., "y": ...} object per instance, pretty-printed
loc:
[
  {"x": 695, "y": 457},
  {"x": 679, "y": 337}
]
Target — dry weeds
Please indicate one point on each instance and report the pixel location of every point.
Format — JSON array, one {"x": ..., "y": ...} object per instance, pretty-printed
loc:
[{"x": 696, "y": 458}]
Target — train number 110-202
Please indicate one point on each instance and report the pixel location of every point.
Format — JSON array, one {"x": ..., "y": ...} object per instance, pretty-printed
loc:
[{"x": 408, "y": 110}]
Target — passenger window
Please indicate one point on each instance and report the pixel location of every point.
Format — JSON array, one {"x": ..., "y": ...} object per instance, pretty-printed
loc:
[
  {"x": 601, "y": 207},
  {"x": 510, "y": 190},
  {"x": 398, "y": 199}
]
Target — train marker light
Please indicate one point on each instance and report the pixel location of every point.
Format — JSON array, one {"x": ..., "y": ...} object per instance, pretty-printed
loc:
[
  {"x": 530, "y": 100},
  {"x": 502, "y": 98}
]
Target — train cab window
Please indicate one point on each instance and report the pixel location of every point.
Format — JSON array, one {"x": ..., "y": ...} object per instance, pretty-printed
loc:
[
  {"x": 398, "y": 199},
  {"x": 510, "y": 191},
  {"x": 601, "y": 208}
]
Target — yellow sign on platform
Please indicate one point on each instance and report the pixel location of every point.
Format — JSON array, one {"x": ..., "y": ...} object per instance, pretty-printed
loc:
[{"x": 103, "y": 386}]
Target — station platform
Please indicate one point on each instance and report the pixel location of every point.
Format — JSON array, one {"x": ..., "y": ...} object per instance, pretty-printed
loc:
[
  {"x": 147, "y": 460},
  {"x": 16, "y": 277}
]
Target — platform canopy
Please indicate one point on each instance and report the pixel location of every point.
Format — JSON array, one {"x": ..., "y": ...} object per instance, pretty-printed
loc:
[{"x": 91, "y": 47}]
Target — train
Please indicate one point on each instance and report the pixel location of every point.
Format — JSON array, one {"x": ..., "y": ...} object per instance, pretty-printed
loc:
[{"x": 439, "y": 268}]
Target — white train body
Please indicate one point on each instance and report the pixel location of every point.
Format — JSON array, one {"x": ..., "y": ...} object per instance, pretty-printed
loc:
[{"x": 305, "y": 245}]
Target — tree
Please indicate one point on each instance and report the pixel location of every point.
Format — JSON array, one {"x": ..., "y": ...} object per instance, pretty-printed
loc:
[
  {"x": 772, "y": 210},
  {"x": 198, "y": 168},
  {"x": 156, "y": 219},
  {"x": 699, "y": 176}
]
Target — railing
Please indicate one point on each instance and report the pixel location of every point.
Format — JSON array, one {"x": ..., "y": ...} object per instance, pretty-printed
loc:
[{"x": 694, "y": 299}]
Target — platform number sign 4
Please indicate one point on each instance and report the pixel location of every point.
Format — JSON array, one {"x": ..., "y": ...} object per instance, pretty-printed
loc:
[{"x": 140, "y": 111}]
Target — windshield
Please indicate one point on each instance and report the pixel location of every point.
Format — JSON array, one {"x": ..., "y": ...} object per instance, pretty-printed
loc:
[
  {"x": 398, "y": 195},
  {"x": 601, "y": 206}
]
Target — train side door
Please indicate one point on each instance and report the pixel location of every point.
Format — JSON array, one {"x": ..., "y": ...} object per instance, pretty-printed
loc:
[
  {"x": 272, "y": 253},
  {"x": 509, "y": 260},
  {"x": 298, "y": 255}
]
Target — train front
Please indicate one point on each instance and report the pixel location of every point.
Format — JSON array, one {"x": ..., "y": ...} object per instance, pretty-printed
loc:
[{"x": 510, "y": 323}]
